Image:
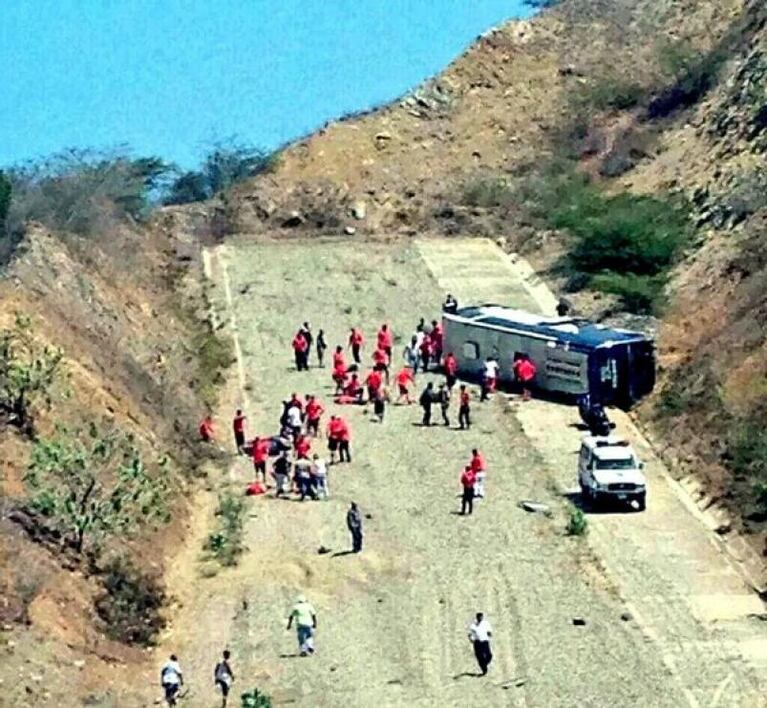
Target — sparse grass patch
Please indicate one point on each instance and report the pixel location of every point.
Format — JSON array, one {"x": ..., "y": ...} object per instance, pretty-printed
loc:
[
  {"x": 214, "y": 355},
  {"x": 488, "y": 192},
  {"x": 225, "y": 544}
]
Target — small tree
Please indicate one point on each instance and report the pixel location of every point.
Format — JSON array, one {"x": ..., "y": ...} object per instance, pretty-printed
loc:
[
  {"x": 94, "y": 485},
  {"x": 27, "y": 373},
  {"x": 255, "y": 699}
]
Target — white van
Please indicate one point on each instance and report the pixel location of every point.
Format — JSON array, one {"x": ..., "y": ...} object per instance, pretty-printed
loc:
[{"x": 609, "y": 470}]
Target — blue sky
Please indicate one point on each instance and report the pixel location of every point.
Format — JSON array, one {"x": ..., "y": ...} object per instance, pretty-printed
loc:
[{"x": 168, "y": 77}]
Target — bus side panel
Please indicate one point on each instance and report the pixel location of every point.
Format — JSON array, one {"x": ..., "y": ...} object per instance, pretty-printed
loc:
[
  {"x": 468, "y": 345},
  {"x": 565, "y": 371}
]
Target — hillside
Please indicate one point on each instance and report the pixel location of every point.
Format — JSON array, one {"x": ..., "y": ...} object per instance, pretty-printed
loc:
[
  {"x": 515, "y": 100},
  {"x": 658, "y": 98}
]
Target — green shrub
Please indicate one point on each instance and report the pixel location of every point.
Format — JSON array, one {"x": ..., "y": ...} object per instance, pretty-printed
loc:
[
  {"x": 640, "y": 294},
  {"x": 130, "y": 604},
  {"x": 255, "y": 699},
  {"x": 28, "y": 371},
  {"x": 747, "y": 459},
  {"x": 577, "y": 524},
  {"x": 488, "y": 193},
  {"x": 6, "y": 189},
  {"x": 93, "y": 485},
  {"x": 613, "y": 93},
  {"x": 214, "y": 356},
  {"x": 226, "y": 544}
]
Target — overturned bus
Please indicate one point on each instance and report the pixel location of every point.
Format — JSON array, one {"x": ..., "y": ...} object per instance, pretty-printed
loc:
[{"x": 572, "y": 356}]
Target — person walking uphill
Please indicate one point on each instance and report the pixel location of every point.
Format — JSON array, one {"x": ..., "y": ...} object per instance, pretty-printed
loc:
[
  {"x": 354, "y": 524},
  {"x": 480, "y": 632},
  {"x": 305, "y": 617},
  {"x": 171, "y": 679},
  {"x": 468, "y": 479},
  {"x": 223, "y": 676}
]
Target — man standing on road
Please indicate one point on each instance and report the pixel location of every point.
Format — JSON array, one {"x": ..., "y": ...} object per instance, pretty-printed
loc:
[
  {"x": 314, "y": 411},
  {"x": 260, "y": 454},
  {"x": 354, "y": 524},
  {"x": 344, "y": 440},
  {"x": 479, "y": 468},
  {"x": 450, "y": 365},
  {"x": 468, "y": 478},
  {"x": 238, "y": 424},
  {"x": 385, "y": 340},
  {"x": 356, "y": 340},
  {"x": 306, "y": 623},
  {"x": 426, "y": 400},
  {"x": 306, "y": 330},
  {"x": 480, "y": 632},
  {"x": 443, "y": 395},
  {"x": 300, "y": 348},
  {"x": 489, "y": 376},
  {"x": 281, "y": 471},
  {"x": 464, "y": 410},
  {"x": 223, "y": 676}
]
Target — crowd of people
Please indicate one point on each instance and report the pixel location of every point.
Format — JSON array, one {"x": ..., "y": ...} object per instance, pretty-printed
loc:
[{"x": 297, "y": 462}]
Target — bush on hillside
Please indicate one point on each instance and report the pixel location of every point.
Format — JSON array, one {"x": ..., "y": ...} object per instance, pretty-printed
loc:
[
  {"x": 487, "y": 193},
  {"x": 747, "y": 459},
  {"x": 226, "y": 165},
  {"x": 28, "y": 371},
  {"x": 640, "y": 294},
  {"x": 226, "y": 543},
  {"x": 613, "y": 93},
  {"x": 130, "y": 604},
  {"x": 84, "y": 191},
  {"x": 93, "y": 485},
  {"x": 6, "y": 189}
]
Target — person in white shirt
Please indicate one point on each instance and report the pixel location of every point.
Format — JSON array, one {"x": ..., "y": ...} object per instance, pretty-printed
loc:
[
  {"x": 294, "y": 421},
  {"x": 320, "y": 472},
  {"x": 171, "y": 679},
  {"x": 480, "y": 632},
  {"x": 489, "y": 378}
]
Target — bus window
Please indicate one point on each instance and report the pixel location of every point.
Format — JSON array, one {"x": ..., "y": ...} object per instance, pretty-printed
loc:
[{"x": 471, "y": 350}]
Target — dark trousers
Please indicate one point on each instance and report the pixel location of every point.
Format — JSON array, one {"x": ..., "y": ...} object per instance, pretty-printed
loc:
[
  {"x": 356, "y": 540},
  {"x": 302, "y": 363},
  {"x": 356, "y": 353},
  {"x": 467, "y": 500},
  {"x": 343, "y": 451},
  {"x": 483, "y": 654},
  {"x": 450, "y": 380},
  {"x": 485, "y": 390},
  {"x": 313, "y": 426},
  {"x": 425, "y": 361},
  {"x": 239, "y": 440},
  {"x": 427, "y": 414},
  {"x": 463, "y": 417},
  {"x": 445, "y": 419},
  {"x": 320, "y": 357}
]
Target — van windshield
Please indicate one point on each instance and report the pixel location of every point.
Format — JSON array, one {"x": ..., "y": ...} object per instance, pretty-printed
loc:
[{"x": 626, "y": 463}]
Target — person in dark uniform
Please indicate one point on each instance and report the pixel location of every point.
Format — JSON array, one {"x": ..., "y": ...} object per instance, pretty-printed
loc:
[
  {"x": 322, "y": 346},
  {"x": 354, "y": 524},
  {"x": 426, "y": 400}
]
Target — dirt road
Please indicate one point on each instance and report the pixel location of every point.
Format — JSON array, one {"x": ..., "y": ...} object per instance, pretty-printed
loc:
[{"x": 393, "y": 619}]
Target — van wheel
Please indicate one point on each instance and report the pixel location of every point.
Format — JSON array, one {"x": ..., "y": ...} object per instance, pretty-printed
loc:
[{"x": 641, "y": 503}]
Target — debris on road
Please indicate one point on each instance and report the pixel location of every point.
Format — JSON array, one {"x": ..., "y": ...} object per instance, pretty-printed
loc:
[
  {"x": 579, "y": 621},
  {"x": 627, "y": 617},
  {"x": 535, "y": 507},
  {"x": 322, "y": 550}
]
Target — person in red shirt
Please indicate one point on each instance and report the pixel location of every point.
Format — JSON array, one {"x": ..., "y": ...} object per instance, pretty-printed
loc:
[
  {"x": 238, "y": 425},
  {"x": 426, "y": 352},
  {"x": 303, "y": 446},
  {"x": 464, "y": 408},
  {"x": 206, "y": 429},
  {"x": 295, "y": 402},
  {"x": 468, "y": 478},
  {"x": 356, "y": 341},
  {"x": 339, "y": 438},
  {"x": 314, "y": 411},
  {"x": 450, "y": 365},
  {"x": 479, "y": 467},
  {"x": 405, "y": 380},
  {"x": 436, "y": 340},
  {"x": 260, "y": 452},
  {"x": 385, "y": 339},
  {"x": 524, "y": 372},
  {"x": 352, "y": 391},
  {"x": 339, "y": 376},
  {"x": 381, "y": 362},
  {"x": 373, "y": 381},
  {"x": 301, "y": 351}
]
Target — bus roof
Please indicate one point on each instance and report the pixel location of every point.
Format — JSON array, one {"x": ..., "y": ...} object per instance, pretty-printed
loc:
[{"x": 573, "y": 330}]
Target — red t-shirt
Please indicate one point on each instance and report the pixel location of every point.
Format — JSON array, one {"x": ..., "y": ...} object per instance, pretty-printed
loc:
[
  {"x": 374, "y": 380},
  {"x": 345, "y": 432},
  {"x": 468, "y": 478},
  {"x": 356, "y": 337},
  {"x": 303, "y": 446},
  {"x": 451, "y": 364},
  {"x": 339, "y": 361},
  {"x": 296, "y": 403},
  {"x": 260, "y": 450},
  {"x": 384, "y": 338},
  {"x": 353, "y": 387},
  {"x": 427, "y": 345},
  {"x": 239, "y": 423},
  {"x": 465, "y": 398},
  {"x": 299, "y": 343},
  {"x": 206, "y": 430},
  {"x": 380, "y": 357},
  {"x": 525, "y": 370},
  {"x": 478, "y": 463},
  {"x": 335, "y": 426},
  {"x": 314, "y": 409},
  {"x": 436, "y": 337},
  {"x": 404, "y": 377}
]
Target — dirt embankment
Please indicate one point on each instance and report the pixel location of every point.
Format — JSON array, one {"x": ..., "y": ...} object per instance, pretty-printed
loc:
[
  {"x": 507, "y": 105},
  {"x": 125, "y": 311}
]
